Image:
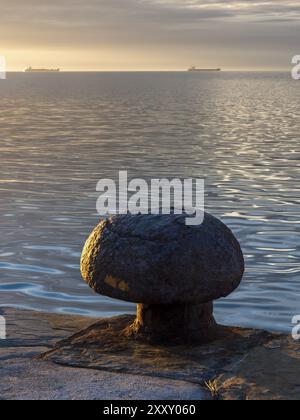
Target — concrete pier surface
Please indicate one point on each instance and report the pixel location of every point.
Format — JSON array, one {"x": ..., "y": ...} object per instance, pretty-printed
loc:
[{"x": 65, "y": 357}]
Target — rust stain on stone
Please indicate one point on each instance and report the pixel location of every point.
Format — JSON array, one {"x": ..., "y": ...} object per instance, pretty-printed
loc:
[
  {"x": 111, "y": 281},
  {"x": 123, "y": 286},
  {"x": 116, "y": 283}
]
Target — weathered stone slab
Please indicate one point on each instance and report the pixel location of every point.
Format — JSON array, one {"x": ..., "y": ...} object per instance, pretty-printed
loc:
[
  {"x": 269, "y": 372},
  {"x": 239, "y": 364},
  {"x": 25, "y": 378},
  {"x": 30, "y": 329}
]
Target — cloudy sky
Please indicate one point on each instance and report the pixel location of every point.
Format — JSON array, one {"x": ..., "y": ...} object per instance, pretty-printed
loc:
[{"x": 149, "y": 34}]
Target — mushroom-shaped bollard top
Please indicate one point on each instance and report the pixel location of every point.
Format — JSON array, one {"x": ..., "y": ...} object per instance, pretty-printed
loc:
[{"x": 172, "y": 270}]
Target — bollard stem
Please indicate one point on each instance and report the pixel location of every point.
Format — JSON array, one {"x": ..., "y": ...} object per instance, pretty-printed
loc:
[{"x": 174, "y": 323}]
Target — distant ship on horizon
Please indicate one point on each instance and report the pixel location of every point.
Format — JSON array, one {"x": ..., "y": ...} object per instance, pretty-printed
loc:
[
  {"x": 194, "y": 68},
  {"x": 30, "y": 69}
]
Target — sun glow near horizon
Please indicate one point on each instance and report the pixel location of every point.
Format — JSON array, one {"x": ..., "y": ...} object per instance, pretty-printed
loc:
[{"x": 138, "y": 35}]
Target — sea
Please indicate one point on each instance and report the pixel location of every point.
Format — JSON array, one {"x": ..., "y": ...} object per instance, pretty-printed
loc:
[{"x": 60, "y": 133}]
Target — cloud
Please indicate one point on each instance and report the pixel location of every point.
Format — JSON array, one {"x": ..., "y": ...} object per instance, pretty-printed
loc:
[
  {"x": 149, "y": 24},
  {"x": 77, "y": 13}
]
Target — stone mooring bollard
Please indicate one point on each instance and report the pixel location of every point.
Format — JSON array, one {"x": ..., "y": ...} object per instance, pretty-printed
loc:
[{"x": 172, "y": 271}]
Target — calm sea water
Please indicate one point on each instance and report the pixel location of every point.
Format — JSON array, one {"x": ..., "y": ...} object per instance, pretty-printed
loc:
[{"x": 61, "y": 133}]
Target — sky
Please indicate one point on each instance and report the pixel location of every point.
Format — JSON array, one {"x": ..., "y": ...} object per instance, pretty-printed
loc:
[{"x": 149, "y": 34}]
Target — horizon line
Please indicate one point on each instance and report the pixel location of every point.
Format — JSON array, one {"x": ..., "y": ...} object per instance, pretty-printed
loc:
[{"x": 149, "y": 71}]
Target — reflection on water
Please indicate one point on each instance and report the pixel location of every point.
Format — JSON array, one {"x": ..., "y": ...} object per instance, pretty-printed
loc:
[{"x": 60, "y": 133}]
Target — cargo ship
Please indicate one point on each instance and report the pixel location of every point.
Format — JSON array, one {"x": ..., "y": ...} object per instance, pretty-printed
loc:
[
  {"x": 193, "y": 68},
  {"x": 32, "y": 70}
]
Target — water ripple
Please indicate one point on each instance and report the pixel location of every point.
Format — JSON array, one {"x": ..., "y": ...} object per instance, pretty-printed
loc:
[{"x": 61, "y": 133}]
